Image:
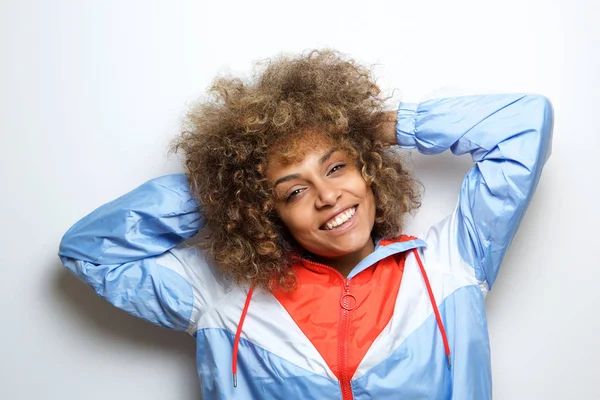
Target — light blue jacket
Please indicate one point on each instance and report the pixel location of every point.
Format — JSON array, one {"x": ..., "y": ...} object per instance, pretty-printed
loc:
[{"x": 132, "y": 252}]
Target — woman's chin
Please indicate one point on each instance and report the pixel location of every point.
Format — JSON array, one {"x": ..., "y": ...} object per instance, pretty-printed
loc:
[{"x": 346, "y": 247}]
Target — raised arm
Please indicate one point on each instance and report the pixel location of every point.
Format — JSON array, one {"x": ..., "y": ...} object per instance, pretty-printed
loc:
[
  {"x": 123, "y": 250},
  {"x": 508, "y": 137}
]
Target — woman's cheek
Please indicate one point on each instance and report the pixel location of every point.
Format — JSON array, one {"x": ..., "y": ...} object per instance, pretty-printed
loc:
[{"x": 297, "y": 222}]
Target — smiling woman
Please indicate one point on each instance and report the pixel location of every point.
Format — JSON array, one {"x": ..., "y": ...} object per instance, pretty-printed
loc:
[
  {"x": 304, "y": 286},
  {"x": 295, "y": 107}
]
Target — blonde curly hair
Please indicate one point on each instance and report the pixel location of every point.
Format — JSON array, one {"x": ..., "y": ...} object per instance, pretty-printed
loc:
[{"x": 229, "y": 136}]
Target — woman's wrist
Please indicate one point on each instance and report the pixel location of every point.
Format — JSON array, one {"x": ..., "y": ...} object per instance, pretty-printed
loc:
[{"x": 387, "y": 128}]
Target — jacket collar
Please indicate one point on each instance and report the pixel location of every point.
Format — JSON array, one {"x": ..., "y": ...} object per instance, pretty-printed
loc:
[{"x": 385, "y": 248}]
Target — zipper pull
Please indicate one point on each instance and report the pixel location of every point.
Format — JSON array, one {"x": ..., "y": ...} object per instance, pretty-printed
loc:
[{"x": 348, "y": 301}]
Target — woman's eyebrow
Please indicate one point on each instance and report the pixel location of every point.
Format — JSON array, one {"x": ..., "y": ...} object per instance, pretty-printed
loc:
[
  {"x": 327, "y": 155},
  {"x": 286, "y": 179},
  {"x": 322, "y": 160}
]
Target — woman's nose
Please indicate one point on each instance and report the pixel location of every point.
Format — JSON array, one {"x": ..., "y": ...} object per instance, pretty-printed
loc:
[{"x": 327, "y": 195}]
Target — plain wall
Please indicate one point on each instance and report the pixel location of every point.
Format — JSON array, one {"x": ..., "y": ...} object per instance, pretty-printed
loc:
[{"x": 91, "y": 93}]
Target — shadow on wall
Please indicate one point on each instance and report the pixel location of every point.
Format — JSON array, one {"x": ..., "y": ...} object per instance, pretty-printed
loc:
[
  {"x": 534, "y": 228},
  {"x": 87, "y": 306}
]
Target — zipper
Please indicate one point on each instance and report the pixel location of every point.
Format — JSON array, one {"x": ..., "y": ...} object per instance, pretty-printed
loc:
[{"x": 348, "y": 302}]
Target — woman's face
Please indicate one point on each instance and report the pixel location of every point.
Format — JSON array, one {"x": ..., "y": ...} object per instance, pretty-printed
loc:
[{"x": 323, "y": 199}]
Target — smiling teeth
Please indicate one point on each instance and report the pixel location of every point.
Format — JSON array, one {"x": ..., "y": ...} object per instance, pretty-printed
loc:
[{"x": 340, "y": 219}]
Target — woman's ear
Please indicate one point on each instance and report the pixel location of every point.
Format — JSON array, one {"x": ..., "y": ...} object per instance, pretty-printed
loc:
[{"x": 366, "y": 176}]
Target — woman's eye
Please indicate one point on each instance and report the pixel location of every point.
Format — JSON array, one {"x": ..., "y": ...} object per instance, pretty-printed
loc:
[
  {"x": 336, "y": 168},
  {"x": 293, "y": 194}
]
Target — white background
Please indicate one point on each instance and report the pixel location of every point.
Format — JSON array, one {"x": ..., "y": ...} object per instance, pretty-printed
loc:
[{"x": 91, "y": 92}]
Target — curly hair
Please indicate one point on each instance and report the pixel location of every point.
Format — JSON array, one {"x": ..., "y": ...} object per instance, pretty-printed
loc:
[{"x": 228, "y": 138}]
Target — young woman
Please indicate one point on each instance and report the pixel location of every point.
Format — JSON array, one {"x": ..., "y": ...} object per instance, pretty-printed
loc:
[{"x": 300, "y": 284}]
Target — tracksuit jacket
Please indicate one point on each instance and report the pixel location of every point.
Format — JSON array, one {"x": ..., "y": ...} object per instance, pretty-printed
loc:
[{"x": 408, "y": 322}]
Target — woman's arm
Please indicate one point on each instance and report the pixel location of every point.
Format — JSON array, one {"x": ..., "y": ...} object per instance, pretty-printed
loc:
[
  {"x": 123, "y": 250},
  {"x": 508, "y": 136}
]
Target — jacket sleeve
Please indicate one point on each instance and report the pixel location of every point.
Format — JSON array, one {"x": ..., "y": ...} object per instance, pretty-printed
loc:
[
  {"x": 124, "y": 251},
  {"x": 508, "y": 137}
]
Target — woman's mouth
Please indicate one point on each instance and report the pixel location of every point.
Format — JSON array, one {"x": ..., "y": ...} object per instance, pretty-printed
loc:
[{"x": 340, "y": 220}]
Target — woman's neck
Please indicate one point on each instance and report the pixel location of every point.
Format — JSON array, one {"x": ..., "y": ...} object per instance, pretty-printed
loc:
[{"x": 346, "y": 263}]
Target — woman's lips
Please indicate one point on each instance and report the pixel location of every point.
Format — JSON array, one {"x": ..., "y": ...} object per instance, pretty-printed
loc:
[{"x": 340, "y": 220}]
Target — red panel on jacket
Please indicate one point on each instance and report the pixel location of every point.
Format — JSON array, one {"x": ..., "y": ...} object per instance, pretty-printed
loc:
[{"x": 315, "y": 306}]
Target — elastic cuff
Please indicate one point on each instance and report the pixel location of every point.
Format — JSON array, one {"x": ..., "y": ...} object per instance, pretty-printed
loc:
[{"x": 405, "y": 127}]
